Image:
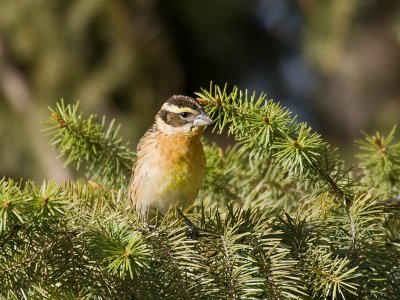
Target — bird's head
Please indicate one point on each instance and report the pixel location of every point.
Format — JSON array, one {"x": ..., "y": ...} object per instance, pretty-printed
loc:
[{"x": 182, "y": 115}]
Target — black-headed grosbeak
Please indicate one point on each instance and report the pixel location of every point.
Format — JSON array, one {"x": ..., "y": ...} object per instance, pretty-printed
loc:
[{"x": 170, "y": 162}]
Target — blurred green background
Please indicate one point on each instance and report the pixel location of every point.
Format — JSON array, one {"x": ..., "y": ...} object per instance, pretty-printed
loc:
[{"x": 335, "y": 63}]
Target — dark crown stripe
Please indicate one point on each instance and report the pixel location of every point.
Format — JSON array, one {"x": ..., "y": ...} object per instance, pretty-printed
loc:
[{"x": 184, "y": 101}]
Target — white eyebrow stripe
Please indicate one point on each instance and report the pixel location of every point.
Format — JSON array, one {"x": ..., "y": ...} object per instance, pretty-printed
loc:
[{"x": 176, "y": 109}]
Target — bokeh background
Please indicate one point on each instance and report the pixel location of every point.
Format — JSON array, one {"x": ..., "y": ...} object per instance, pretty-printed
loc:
[{"x": 334, "y": 63}]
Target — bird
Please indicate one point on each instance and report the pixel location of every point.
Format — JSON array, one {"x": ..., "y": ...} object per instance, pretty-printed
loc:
[{"x": 170, "y": 160}]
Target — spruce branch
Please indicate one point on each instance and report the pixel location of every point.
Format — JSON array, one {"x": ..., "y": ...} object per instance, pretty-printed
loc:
[
  {"x": 332, "y": 276},
  {"x": 11, "y": 204},
  {"x": 269, "y": 132},
  {"x": 122, "y": 249},
  {"x": 232, "y": 178},
  {"x": 181, "y": 269},
  {"x": 86, "y": 141},
  {"x": 380, "y": 160},
  {"x": 249, "y": 234}
]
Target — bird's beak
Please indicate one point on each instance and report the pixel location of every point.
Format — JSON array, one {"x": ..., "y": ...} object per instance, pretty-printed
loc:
[{"x": 202, "y": 120}]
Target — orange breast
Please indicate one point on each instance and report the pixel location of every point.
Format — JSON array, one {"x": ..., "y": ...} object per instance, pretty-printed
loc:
[{"x": 168, "y": 172}]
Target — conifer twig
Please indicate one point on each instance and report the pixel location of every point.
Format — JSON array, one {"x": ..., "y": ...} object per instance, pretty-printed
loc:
[
  {"x": 107, "y": 159},
  {"x": 268, "y": 131}
]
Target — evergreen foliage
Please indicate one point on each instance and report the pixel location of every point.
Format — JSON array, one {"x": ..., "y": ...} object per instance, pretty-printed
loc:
[{"x": 279, "y": 217}]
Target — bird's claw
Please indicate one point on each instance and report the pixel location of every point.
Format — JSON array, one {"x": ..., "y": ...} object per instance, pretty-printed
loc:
[{"x": 193, "y": 232}]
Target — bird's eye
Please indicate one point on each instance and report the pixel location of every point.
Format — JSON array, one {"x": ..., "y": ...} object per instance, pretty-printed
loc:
[{"x": 184, "y": 114}]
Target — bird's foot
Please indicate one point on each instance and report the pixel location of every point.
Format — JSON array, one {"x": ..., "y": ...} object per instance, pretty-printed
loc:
[{"x": 193, "y": 232}]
